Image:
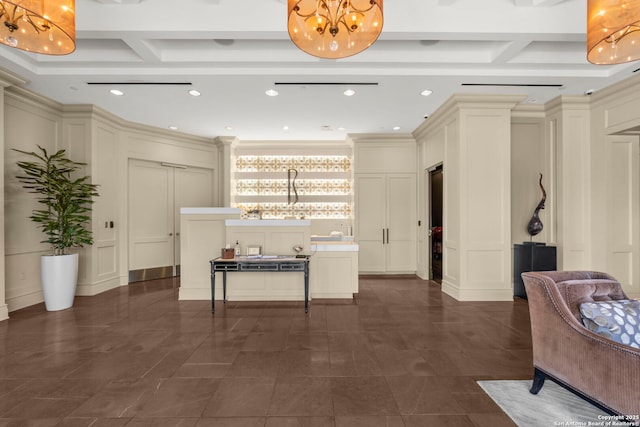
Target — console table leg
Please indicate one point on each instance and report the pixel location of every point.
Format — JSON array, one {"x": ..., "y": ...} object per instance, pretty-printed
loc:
[
  {"x": 306, "y": 290},
  {"x": 213, "y": 291},
  {"x": 224, "y": 287}
]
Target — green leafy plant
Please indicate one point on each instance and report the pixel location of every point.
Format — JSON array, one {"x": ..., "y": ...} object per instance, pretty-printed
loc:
[{"x": 66, "y": 201}]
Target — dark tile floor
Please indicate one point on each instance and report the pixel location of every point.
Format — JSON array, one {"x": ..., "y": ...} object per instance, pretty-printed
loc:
[{"x": 400, "y": 354}]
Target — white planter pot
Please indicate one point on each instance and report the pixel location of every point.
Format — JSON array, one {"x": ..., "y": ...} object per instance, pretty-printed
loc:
[{"x": 59, "y": 275}]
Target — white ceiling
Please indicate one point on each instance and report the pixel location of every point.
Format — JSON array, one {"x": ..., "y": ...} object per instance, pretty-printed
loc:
[{"x": 233, "y": 50}]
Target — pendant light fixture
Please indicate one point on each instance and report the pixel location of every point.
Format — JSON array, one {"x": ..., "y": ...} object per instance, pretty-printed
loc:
[
  {"x": 334, "y": 29},
  {"x": 613, "y": 35},
  {"x": 40, "y": 26}
]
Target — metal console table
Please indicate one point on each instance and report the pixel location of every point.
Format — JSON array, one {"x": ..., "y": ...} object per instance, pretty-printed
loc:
[{"x": 280, "y": 263}]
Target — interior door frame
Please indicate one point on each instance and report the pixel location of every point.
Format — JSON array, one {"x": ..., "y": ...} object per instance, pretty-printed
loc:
[
  {"x": 207, "y": 199},
  {"x": 429, "y": 201},
  {"x": 159, "y": 271}
]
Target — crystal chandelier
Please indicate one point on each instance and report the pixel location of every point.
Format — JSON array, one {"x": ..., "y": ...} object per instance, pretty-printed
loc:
[
  {"x": 612, "y": 31},
  {"x": 40, "y": 26},
  {"x": 334, "y": 28}
]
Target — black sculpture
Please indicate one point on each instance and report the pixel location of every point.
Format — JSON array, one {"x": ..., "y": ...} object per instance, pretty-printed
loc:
[{"x": 535, "y": 225}]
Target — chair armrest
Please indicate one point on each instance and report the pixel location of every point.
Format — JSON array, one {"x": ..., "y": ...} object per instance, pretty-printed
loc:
[{"x": 604, "y": 370}]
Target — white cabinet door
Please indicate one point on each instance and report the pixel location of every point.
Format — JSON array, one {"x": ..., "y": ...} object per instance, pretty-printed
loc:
[
  {"x": 386, "y": 222},
  {"x": 371, "y": 196},
  {"x": 401, "y": 223}
]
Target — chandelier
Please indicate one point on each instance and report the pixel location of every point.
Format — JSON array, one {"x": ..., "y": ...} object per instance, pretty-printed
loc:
[
  {"x": 40, "y": 26},
  {"x": 612, "y": 31},
  {"x": 334, "y": 28}
]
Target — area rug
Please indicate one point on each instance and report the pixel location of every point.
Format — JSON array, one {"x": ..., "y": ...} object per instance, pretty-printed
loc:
[{"x": 552, "y": 406}]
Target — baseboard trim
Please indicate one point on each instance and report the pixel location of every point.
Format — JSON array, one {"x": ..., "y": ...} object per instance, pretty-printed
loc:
[
  {"x": 92, "y": 289},
  {"x": 387, "y": 276},
  {"x": 24, "y": 301},
  {"x": 477, "y": 294}
]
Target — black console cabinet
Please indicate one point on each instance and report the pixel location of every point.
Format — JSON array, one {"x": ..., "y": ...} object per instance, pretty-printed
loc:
[{"x": 531, "y": 257}]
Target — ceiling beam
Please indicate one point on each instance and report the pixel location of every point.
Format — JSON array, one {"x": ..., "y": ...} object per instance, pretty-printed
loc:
[
  {"x": 142, "y": 48},
  {"x": 118, "y": 1},
  {"x": 531, "y": 3},
  {"x": 510, "y": 50}
]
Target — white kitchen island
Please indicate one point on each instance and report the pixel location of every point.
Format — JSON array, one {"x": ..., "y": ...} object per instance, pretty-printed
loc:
[{"x": 333, "y": 268}]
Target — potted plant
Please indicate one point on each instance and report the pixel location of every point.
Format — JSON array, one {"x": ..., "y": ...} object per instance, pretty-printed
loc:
[{"x": 65, "y": 204}]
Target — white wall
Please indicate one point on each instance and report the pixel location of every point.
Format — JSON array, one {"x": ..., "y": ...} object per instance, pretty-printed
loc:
[
  {"x": 615, "y": 185},
  {"x": 477, "y": 193},
  {"x": 589, "y": 153},
  {"x": 527, "y": 163},
  {"x": 6, "y": 80},
  {"x": 28, "y": 122},
  {"x": 431, "y": 147},
  {"x": 105, "y": 143},
  {"x": 568, "y": 133}
]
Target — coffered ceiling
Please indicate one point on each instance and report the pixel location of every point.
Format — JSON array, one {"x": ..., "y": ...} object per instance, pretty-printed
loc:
[{"x": 232, "y": 51}]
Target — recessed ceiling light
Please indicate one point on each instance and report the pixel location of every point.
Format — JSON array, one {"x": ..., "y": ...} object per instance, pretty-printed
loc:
[
  {"x": 194, "y": 92},
  {"x": 116, "y": 92},
  {"x": 342, "y": 128},
  {"x": 285, "y": 128},
  {"x": 173, "y": 127},
  {"x": 228, "y": 128},
  {"x": 426, "y": 92},
  {"x": 349, "y": 92},
  {"x": 271, "y": 92},
  {"x": 396, "y": 128}
]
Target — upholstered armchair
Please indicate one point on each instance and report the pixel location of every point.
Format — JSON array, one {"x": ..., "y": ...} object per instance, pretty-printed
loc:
[{"x": 599, "y": 369}]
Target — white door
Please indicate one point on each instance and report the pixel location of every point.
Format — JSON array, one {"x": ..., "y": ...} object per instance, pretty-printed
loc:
[
  {"x": 401, "y": 233},
  {"x": 150, "y": 218},
  {"x": 371, "y": 222},
  {"x": 156, "y": 194}
]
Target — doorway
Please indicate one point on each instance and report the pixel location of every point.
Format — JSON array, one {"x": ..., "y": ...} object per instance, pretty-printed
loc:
[
  {"x": 157, "y": 191},
  {"x": 436, "y": 176}
]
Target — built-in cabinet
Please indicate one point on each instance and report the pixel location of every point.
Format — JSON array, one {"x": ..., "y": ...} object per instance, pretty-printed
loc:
[
  {"x": 386, "y": 222},
  {"x": 386, "y": 205},
  {"x": 531, "y": 256},
  {"x": 333, "y": 270}
]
